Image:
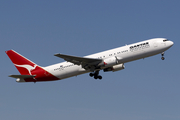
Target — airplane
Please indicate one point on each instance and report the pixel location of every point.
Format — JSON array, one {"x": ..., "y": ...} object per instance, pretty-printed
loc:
[{"x": 110, "y": 60}]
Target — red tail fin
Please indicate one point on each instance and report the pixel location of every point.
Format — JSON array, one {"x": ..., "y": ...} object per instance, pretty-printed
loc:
[
  {"x": 27, "y": 67},
  {"x": 23, "y": 65}
]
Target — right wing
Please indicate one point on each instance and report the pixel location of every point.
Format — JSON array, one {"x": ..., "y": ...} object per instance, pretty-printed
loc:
[{"x": 87, "y": 63}]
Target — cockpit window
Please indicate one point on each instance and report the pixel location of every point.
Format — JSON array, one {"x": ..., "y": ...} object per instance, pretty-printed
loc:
[{"x": 165, "y": 40}]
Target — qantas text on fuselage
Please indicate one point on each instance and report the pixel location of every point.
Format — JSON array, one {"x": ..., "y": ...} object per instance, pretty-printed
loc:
[{"x": 110, "y": 60}]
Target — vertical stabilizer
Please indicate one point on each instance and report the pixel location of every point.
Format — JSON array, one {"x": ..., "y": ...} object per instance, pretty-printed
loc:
[
  {"x": 23, "y": 65},
  {"x": 30, "y": 72}
]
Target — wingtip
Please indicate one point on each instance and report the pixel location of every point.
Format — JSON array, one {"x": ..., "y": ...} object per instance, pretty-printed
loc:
[
  {"x": 9, "y": 75},
  {"x": 56, "y": 54}
]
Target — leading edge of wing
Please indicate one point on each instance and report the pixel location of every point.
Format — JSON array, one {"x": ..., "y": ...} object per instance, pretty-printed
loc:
[{"x": 78, "y": 60}]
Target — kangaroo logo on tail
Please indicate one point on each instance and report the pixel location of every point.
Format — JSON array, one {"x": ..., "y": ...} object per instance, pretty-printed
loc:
[
  {"x": 28, "y": 67},
  {"x": 24, "y": 65}
]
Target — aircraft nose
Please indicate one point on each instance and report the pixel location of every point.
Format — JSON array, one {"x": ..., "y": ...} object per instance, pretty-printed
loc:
[{"x": 171, "y": 43}]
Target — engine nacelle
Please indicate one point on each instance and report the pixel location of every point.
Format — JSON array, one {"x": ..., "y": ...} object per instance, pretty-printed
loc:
[
  {"x": 114, "y": 68},
  {"x": 110, "y": 61}
]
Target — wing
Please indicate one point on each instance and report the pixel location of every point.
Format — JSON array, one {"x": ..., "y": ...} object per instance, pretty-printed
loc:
[{"x": 87, "y": 63}]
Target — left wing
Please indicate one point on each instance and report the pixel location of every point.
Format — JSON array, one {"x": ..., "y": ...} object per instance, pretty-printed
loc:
[{"x": 87, "y": 63}]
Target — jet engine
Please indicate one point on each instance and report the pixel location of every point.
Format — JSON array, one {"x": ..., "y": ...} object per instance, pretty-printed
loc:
[
  {"x": 114, "y": 68},
  {"x": 110, "y": 61}
]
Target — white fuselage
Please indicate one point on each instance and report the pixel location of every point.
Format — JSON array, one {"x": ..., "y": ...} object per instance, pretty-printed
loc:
[{"x": 123, "y": 54}]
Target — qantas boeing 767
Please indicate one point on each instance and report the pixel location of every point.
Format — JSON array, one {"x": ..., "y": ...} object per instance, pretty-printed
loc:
[{"x": 110, "y": 60}]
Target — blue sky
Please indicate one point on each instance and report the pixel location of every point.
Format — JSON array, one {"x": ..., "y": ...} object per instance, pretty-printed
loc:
[{"x": 145, "y": 90}]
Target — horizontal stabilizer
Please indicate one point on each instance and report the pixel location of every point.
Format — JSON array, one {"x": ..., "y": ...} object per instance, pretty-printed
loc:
[{"x": 22, "y": 76}]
